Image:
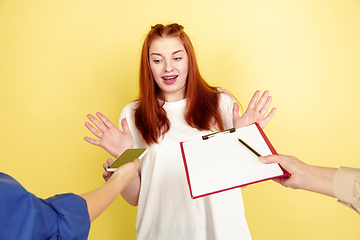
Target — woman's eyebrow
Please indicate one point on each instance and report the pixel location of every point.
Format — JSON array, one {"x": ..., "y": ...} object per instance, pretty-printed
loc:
[
  {"x": 178, "y": 51},
  {"x": 158, "y": 54}
]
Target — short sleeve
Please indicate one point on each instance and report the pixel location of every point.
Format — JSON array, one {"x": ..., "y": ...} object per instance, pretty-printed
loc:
[
  {"x": 226, "y": 106},
  {"x": 25, "y": 216},
  {"x": 128, "y": 112},
  {"x": 72, "y": 215}
]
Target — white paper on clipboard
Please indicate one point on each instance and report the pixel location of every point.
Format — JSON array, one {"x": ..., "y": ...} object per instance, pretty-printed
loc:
[{"x": 221, "y": 162}]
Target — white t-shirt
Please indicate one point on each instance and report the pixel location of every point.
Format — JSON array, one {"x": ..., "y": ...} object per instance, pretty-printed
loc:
[{"x": 165, "y": 208}]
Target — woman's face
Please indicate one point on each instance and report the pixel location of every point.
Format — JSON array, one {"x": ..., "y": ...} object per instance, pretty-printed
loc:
[{"x": 169, "y": 66}]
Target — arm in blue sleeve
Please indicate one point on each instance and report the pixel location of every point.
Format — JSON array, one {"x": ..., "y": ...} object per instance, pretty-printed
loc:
[{"x": 25, "y": 216}]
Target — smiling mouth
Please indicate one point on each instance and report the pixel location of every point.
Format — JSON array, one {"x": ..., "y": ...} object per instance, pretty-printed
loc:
[{"x": 170, "y": 80}]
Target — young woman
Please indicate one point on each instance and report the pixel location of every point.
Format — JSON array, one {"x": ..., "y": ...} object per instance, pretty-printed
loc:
[{"x": 176, "y": 104}]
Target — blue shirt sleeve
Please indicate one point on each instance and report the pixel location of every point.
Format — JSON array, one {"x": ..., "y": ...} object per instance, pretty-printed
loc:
[{"x": 25, "y": 216}]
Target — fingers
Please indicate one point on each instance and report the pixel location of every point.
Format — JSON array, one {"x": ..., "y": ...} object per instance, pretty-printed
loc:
[
  {"x": 236, "y": 111},
  {"x": 263, "y": 98},
  {"x": 137, "y": 162},
  {"x": 107, "y": 164},
  {"x": 93, "y": 130},
  {"x": 92, "y": 141},
  {"x": 263, "y": 108},
  {"x": 278, "y": 180},
  {"x": 263, "y": 104},
  {"x": 268, "y": 117},
  {"x": 125, "y": 126},
  {"x": 100, "y": 125},
  {"x": 106, "y": 176},
  {"x": 269, "y": 159},
  {"x": 105, "y": 120},
  {"x": 273, "y": 158},
  {"x": 254, "y": 100}
]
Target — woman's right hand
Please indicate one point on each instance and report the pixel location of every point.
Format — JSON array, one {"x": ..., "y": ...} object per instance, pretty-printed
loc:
[{"x": 112, "y": 139}]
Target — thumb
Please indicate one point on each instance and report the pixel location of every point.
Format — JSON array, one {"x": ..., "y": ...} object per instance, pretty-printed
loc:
[
  {"x": 236, "y": 111},
  {"x": 125, "y": 126},
  {"x": 137, "y": 162},
  {"x": 270, "y": 159}
]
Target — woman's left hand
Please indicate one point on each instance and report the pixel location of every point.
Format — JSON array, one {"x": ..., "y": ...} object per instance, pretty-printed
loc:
[{"x": 255, "y": 112}]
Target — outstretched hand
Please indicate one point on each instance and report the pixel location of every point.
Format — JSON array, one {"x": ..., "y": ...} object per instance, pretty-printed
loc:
[
  {"x": 111, "y": 138},
  {"x": 255, "y": 112},
  {"x": 291, "y": 164},
  {"x": 303, "y": 176},
  {"x": 127, "y": 172}
]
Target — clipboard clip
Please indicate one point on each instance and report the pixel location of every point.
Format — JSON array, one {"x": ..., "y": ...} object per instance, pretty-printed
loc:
[{"x": 230, "y": 130}]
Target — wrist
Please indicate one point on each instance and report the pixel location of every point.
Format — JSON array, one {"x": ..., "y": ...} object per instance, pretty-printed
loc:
[
  {"x": 319, "y": 180},
  {"x": 307, "y": 177},
  {"x": 115, "y": 181}
]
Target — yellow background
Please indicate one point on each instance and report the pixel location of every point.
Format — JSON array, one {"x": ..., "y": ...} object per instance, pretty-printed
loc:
[{"x": 60, "y": 60}]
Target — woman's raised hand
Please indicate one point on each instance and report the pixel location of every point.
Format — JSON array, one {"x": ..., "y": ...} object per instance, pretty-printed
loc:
[
  {"x": 255, "y": 112},
  {"x": 110, "y": 137}
]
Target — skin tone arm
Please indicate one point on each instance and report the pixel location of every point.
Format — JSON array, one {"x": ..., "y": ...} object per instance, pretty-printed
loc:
[
  {"x": 114, "y": 142},
  {"x": 131, "y": 192},
  {"x": 304, "y": 176},
  {"x": 99, "y": 199}
]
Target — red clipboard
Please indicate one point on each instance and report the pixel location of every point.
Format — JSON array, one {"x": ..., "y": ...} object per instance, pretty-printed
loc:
[{"x": 219, "y": 162}]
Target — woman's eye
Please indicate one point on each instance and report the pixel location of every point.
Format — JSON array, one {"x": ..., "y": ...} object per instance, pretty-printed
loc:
[
  {"x": 177, "y": 58},
  {"x": 157, "y": 61}
]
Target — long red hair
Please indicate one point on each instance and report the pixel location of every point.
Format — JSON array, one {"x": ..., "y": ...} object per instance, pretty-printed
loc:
[{"x": 202, "y": 107}]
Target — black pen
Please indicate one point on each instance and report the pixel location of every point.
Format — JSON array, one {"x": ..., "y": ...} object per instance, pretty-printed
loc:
[{"x": 248, "y": 147}]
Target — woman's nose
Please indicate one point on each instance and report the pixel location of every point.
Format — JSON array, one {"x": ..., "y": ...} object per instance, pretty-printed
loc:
[{"x": 168, "y": 66}]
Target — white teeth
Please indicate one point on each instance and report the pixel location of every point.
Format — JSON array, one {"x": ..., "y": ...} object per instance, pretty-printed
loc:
[{"x": 169, "y": 78}]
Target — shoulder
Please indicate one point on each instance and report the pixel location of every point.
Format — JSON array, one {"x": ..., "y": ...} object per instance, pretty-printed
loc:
[
  {"x": 226, "y": 105},
  {"x": 131, "y": 105},
  {"x": 128, "y": 112},
  {"x": 129, "y": 108},
  {"x": 225, "y": 96},
  {"x": 11, "y": 187}
]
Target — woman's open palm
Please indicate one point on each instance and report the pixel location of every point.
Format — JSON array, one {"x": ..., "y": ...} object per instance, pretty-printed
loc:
[
  {"x": 110, "y": 137},
  {"x": 255, "y": 112}
]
